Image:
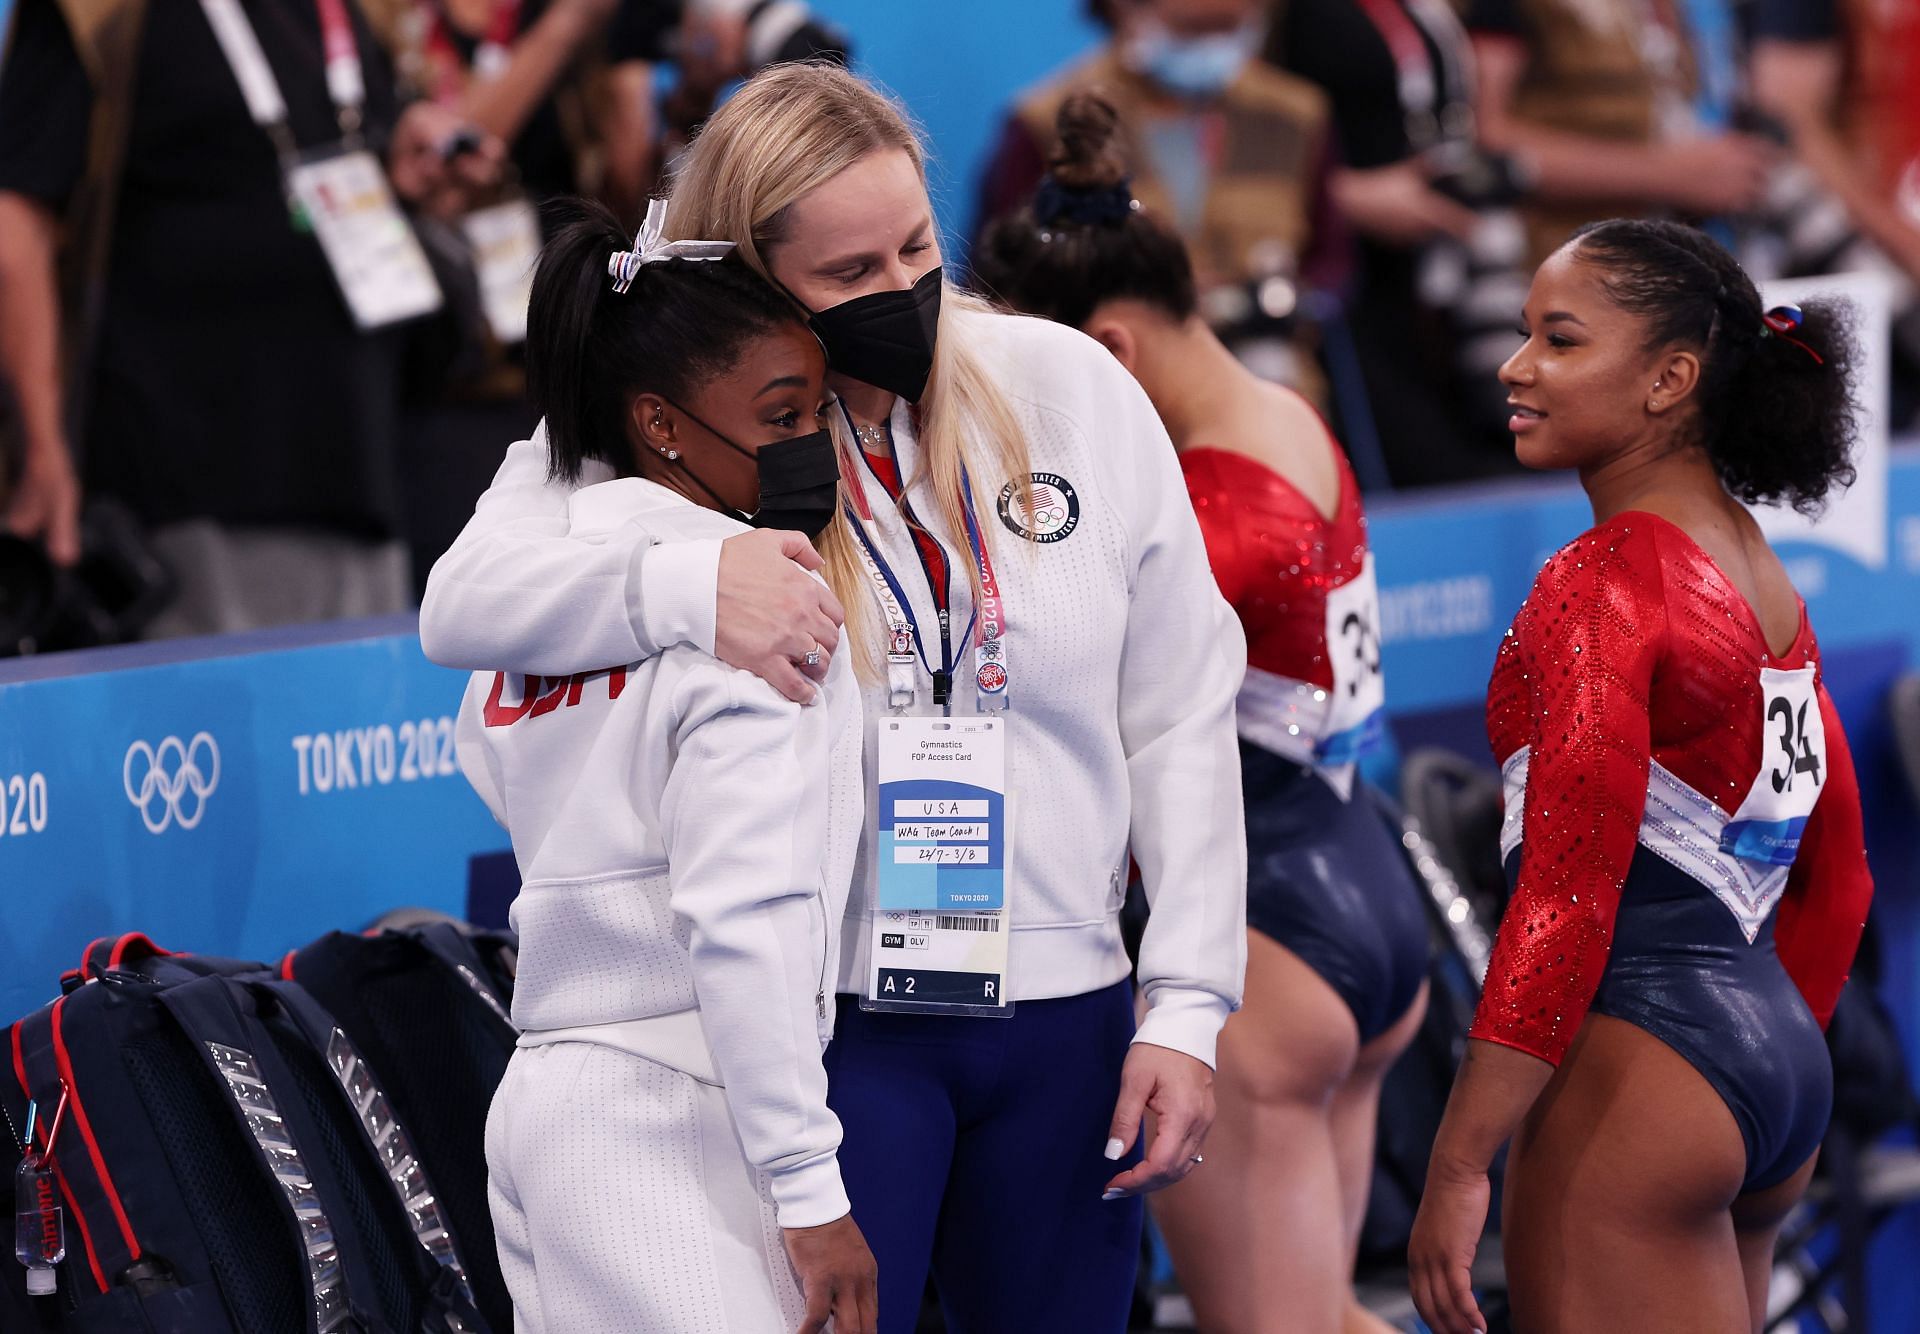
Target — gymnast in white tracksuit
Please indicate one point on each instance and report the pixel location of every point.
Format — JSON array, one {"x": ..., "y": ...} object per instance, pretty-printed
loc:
[{"x": 685, "y": 836}]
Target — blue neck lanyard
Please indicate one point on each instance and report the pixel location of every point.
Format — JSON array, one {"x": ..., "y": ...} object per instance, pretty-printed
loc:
[{"x": 864, "y": 530}]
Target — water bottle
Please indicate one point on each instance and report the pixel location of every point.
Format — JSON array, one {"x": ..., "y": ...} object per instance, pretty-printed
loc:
[{"x": 39, "y": 1231}]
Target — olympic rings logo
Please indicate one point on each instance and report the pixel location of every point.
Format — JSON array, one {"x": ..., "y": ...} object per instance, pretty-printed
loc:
[{"x": 174, "y": 780}]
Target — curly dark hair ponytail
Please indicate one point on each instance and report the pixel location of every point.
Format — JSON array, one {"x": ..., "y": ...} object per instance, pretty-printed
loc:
[{"x": 1778, "y": 423}]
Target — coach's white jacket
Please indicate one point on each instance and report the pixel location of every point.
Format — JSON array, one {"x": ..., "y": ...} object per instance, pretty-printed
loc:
[
  {"x": 684, "y": 883},
  {"x": 1124, "y": 664}
]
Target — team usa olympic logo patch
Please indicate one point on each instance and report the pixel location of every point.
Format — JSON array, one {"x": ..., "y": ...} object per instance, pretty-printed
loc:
[{"x": 1056, "y": 508}]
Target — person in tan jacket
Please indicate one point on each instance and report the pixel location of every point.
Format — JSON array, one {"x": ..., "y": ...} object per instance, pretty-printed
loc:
[{"x": 1231, "y": 151}]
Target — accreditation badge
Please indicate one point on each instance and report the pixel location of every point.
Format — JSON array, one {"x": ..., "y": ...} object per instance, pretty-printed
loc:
[
  {"x": 505, "y": 239},
  {"x": 376, "y": 259},
  {"x": 940, "y": 936}
]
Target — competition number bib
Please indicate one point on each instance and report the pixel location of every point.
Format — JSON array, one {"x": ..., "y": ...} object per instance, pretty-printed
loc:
[
  {"x": 940, "y": 935},
  {"x": 1354, "y": 719},
  {"x": 1793, "y": 769}
]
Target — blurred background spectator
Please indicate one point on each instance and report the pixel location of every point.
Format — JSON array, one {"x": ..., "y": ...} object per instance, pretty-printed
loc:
[
  {"x": 535, "y": 74},
  {"x": 1231, "y": 151},
  {"x": 1440, "y": 255},
  {"x": 175, "y": 334},
  {"x": 1621, "y": 106},
  {"x": 593, "y": 97},
  {"x": 717, "y": 43},
  {"x": 1365, "y": 184}
]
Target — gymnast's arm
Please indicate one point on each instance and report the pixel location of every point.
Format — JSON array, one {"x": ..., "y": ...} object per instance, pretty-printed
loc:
[{"x": 1586, "y": 643}]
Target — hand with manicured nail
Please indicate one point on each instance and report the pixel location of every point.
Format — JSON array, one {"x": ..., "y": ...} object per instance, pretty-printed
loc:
[{"x": 1179, "y": 1091}]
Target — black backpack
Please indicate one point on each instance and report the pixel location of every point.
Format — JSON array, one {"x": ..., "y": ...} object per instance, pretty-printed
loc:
[
  {"x": 228, "y": 1162},
  {"x": 428, "y": 1008}
]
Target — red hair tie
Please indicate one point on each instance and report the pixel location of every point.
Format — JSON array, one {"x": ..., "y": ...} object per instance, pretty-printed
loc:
[{"x": 1781, "y": 321}]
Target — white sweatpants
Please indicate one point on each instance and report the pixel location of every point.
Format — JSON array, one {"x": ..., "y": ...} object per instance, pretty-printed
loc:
[{"x": 622, "y": 1202}]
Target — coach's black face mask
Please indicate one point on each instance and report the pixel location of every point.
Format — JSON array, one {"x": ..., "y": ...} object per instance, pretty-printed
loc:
[{"x": 884, "y": 339}]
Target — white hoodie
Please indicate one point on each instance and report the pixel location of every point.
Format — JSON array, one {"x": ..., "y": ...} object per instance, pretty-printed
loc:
[
  {"x": 1124, "y": 662},
  {"x": 686, "y": 839}
]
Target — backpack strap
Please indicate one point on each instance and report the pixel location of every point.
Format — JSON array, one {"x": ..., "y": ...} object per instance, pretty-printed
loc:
[
  {"x": 386, "y": 1135},
  {"x": 460, "y": 951},
  {"x": 219, "y": 1016}
]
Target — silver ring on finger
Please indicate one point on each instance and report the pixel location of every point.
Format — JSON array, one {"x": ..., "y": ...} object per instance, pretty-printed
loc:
[{"x": 812, "y": 658}]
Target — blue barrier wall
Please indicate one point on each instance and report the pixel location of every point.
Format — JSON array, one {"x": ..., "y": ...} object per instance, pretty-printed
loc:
[{"x": 239, "y": 801}]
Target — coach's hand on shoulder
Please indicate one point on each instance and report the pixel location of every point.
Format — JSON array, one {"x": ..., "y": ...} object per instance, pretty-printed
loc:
[
  {"x": 837, "y": 1277},
  {"x": 1178, "y": 1090},
  {"x": 770, "y": 613}
]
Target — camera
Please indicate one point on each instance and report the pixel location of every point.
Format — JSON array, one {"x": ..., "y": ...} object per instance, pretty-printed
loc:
[{"x": 117, "y": 587}]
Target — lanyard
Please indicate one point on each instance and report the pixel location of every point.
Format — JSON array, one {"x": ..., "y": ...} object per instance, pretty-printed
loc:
[
  {"x": 905, "y": 645},
  {"x": 990, "y": 649},
  {"x": 1434, "y": 107},
  {"x": 346, "y": 83}
]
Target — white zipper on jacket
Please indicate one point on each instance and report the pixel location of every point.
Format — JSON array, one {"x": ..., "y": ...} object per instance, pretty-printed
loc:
[{"x": 826, "y": 956}]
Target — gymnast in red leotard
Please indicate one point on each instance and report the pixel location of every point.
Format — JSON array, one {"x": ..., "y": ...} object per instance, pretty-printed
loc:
[
  {"x": 1682, "y": 824},
  {"x": 1337, "y": 934}
]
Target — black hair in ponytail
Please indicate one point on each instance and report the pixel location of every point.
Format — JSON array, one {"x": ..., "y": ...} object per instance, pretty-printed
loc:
[
  {"x": 590, "y": 349},
  {"x": 1084, "y": 242},
  {"x": 1776, "y": 410}
]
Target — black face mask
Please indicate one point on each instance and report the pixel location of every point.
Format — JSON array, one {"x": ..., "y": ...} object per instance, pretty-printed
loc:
[
  {"x": 884, "y": 339},
  {"x": 799, "y": 481},
  {"x": 799, "y": 484}
]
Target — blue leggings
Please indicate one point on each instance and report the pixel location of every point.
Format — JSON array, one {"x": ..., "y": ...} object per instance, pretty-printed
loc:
[{"x": 974, "y": 1146}]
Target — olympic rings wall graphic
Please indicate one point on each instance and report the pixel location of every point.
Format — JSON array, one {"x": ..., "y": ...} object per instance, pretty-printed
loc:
[{"x": 179, "y": 777}]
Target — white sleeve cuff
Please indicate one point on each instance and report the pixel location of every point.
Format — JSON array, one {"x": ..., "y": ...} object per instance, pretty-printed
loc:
[
  {"x": 672, "y": 593},
  {"x": 810, "y": 1194},
  {"x": 1184, "y": 1020}
]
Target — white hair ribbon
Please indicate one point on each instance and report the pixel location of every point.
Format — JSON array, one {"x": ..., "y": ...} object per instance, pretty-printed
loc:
[{"x": 623, "y": 266}]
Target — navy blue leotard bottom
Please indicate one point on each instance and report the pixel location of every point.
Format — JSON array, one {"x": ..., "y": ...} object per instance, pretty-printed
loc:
[
  {"x": 1682, "y": 970},
  {"x": 1327, "y": 879}
]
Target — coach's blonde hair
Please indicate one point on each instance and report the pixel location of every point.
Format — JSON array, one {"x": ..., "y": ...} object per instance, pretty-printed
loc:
[{"x": 786, "y": 133}]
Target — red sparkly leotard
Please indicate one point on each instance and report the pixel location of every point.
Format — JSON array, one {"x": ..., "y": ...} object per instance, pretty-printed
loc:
[
  {"x": 1303, "y": 585},
  {"x": 1632, "y": 710},
  {"x": 1275, "y": 556},
  {"x": 1325, "y": 875}
]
